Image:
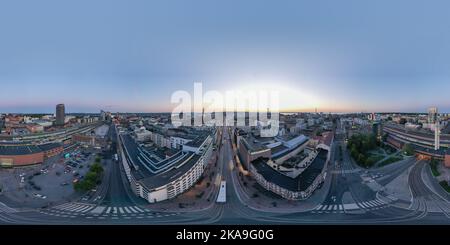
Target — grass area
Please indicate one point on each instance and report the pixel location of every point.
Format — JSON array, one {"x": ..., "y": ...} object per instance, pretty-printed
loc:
[
  {"x": 445, "y": 185},
  {"x": 391, "y": 159},
  {"x": 434, "y": 164}
]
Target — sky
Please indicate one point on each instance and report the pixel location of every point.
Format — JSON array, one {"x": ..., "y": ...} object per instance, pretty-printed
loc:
[{"x": 131, "y": 56}]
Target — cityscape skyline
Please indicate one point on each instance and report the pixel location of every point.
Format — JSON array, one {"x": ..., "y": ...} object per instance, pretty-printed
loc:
[{"x": 313, "y": 110}]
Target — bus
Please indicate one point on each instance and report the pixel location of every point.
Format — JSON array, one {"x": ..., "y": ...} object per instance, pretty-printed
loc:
[
  {"x": 116, "y": 157},
  {"x": 222, "y": 197}
]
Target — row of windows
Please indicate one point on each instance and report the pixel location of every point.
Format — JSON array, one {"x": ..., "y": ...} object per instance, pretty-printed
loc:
[
  {"x": 292, "y": 195},
  {"x": 187, "y": 180}
]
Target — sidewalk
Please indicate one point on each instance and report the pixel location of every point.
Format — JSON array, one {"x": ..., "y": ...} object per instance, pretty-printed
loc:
[{"x": 399, "y": 187}]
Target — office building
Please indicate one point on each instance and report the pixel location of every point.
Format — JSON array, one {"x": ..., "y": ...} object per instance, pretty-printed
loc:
[
  {"x": 432, "y": 115},
  {"x": 60, "y": 115},
  {"x": 155, "y": 176}
]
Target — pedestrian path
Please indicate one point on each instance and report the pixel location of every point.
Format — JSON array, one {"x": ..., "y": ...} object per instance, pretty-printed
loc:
[
  {"x": 91, "y": 211},
  {"x": 345, "y": 169},
  {"x": 75, "y": 207},
  {"x": 342, "y": 208},
  {"x": 119, "y": 210},
  {"x": 5, "y": 209},
  {"x": 329, "y": 208}
]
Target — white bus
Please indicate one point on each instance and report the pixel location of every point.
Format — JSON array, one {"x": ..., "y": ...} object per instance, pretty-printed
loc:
[{"x": 222, "y": 197}]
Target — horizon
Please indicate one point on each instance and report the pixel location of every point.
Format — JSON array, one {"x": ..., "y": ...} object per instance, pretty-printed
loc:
[{"x": 166, "y": 112}]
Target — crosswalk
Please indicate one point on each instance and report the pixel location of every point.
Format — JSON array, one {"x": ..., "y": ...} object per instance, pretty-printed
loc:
[
  {"x": 91, "y": 211},
  {"x": 329, "y": 208},
  {"x": 120, "y": 210},
  {"x": 345, "y": 171},
  {"x": 372, "y": 204},
  {"x": 75, "y": 207},
  {"x": 342, "y": 208},
  {"x": 84, "y": 208},
  {"x": 5, "y": 209}
]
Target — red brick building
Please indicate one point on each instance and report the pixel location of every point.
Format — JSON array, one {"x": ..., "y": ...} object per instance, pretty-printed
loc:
[
  {"x": 84, "y": 139},
  {"x": 447, "y": 160},
  {"x": 13, "y": 156},
  {"x": 35, "y": 128},
  {"x": 51, "y": 149}
]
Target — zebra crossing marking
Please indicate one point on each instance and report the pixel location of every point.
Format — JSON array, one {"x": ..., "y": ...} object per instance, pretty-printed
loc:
[
  {"x": 89, "y": 211},
  {"x": 74, "y": 207},
  {"x": 350, "y": 206},
  {"x": 98, "y": 210},
  {"x": 331, "y": 207}
]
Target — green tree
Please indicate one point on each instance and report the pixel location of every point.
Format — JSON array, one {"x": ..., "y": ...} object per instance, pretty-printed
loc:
[
  {"x": 359, "y": 146},
  {"x": 96, "y": 167},
  {"x": 408, "y": 149}
]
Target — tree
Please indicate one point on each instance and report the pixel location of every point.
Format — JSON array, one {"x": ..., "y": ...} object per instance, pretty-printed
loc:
[
  {"x": 384, "y": 137},
  {"x": 91, "y": 179},
  {"x": 369, "y": 162},
  {"x": 359, "y": 146},
  {"x": 97, "y": 168},
  {"x": 91, "y": 176},
  {"x": 408, "y": 149},
  {"x": 98, "y": 159}
]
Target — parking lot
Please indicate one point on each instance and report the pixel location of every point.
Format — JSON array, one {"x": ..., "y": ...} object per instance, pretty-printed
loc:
[{"x": 49, "y": 183}]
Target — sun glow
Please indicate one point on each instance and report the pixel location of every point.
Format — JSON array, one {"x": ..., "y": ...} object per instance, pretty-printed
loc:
[{"x": 290, "y": 98}]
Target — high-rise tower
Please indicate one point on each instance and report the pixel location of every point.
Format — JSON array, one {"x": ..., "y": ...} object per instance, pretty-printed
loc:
[
  {"x": 433, "y": 119},
  {"x": 60, "y": 114}
]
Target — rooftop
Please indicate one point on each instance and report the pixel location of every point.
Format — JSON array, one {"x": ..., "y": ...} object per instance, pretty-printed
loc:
[
  {"x": 50, "y": 146},
  {"x": 421, "y": 148},
  {"x": 11, "y": 150},
  {"x": 151, "y": 171},
  {"x": 252, "y": 144},
  {"x": 301, "y": 182},
  {"x": 417, "y": 133}
]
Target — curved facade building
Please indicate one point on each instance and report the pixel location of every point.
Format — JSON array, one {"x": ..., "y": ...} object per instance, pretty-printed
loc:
[
  {"x": 157, "y": 179},
  {"x": 422, "y": 142}
]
